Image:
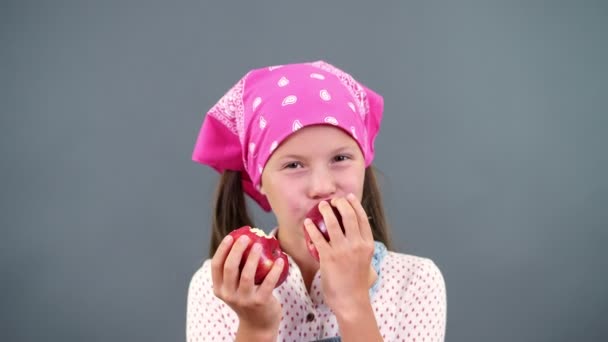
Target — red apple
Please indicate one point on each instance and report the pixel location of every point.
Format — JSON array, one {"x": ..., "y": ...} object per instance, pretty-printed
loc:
[
  {"x": 271, "y": 252},
  {"x": 317, "y": 218}
]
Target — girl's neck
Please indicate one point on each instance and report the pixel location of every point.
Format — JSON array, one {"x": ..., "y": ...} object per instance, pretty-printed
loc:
[{"x": 295, "y": 246}]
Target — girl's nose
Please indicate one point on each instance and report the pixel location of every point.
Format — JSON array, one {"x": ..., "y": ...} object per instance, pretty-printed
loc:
[{"x": 322, "y": 185}]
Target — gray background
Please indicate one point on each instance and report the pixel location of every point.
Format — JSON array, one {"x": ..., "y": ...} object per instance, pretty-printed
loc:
[{"x": 493, "y": 151}]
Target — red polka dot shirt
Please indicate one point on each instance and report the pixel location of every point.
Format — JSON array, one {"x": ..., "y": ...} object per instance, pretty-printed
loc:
[{"x": 408, "y": 299}]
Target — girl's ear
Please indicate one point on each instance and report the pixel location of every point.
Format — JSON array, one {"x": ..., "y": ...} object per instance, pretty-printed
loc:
[{"x": 261, "y": 186}]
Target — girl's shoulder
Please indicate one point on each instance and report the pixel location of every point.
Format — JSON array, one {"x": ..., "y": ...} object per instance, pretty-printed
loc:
[
  {"x": 407, "y": 269},
  {"x": 204, "y": 268},
  {"x": 413, "y": 295},
  {"x": 415, "y": 261},
  {"x": 200, "y": 281}
]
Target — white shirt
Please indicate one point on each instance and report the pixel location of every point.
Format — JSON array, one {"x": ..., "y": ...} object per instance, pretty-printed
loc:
[{"x": 408, "y": 298}]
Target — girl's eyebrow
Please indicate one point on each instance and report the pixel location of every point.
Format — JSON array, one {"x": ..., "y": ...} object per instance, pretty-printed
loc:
[{"x": 336, "y": 151}]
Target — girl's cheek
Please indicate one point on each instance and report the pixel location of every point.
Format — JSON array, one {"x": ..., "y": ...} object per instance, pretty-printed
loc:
[
  {"x": 296, "y": 200},
  {"x": 352, "y": 185}
]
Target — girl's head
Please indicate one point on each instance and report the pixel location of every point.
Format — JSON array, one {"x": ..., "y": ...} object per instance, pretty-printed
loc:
[
  {"x": 290, "y": 136},
  {"x": 316, "y": 163}
]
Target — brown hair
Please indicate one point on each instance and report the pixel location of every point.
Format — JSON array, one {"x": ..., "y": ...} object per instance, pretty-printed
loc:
[{"x": 230, "y": 209}]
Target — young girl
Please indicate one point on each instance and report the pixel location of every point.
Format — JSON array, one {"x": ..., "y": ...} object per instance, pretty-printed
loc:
[{"x": 293, "y": 137}]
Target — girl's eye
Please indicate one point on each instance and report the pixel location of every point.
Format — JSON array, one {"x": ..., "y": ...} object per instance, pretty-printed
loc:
[
  {"x": 292, "y": 165},
  {"x": 341, "y": 157}
]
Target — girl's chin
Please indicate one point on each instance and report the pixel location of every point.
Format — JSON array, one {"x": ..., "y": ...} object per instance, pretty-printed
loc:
[{"x": 293, "y": 229}]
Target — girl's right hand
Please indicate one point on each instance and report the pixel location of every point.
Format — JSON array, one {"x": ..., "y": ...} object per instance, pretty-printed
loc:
[{"x": 258, "y": 309}]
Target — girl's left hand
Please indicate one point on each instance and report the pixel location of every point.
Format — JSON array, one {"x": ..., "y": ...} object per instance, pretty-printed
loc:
[{"x": 345, "y": 261}]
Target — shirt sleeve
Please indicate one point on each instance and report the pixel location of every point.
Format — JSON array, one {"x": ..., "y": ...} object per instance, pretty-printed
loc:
[
  {"x": 426, "y": 308},
  {"x": 204, "y": 318}
]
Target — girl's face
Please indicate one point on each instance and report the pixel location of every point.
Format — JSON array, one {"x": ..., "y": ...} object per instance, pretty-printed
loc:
[{"x": 315, "y": 163}]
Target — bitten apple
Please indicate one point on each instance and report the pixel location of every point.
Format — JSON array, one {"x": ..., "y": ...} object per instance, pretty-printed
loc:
[
  {"x": 271, "y": 252},
  {"x": 317, "y": 218}
]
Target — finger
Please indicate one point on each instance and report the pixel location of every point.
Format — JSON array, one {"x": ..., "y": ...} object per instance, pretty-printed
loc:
[
  {"x": 364, "y": 226},
  {"x": 331, "y": 223},
  {"x": 349, "y": 217},
  {"x": 246, "y": 282},
  {"x": 231, "y": 267},
  {"x": 309, "y": 244},
  {"x": 315, "y": 236},
  {"x": 217, "y": 262},
  {"x": 265, "y": 289}
]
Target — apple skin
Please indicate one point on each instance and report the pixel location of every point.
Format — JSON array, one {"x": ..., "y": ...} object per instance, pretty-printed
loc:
[
  {"x": 271, "y": 252},
  {"x": 317, "y": 218}
]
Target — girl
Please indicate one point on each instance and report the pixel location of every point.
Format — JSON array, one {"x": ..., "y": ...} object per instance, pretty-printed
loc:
[{"x": 293, "y": 137}]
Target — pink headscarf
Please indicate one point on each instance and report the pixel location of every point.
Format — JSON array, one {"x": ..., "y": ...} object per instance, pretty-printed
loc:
[{"x": 246, "y": 125}]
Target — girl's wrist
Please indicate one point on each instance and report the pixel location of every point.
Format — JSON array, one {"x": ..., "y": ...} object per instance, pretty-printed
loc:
[
  {"x": 359, "y": 324},
  {"x": 247, "y": 332},
  {"x": 352, "y": 305},
  {"x": 350, "y": 302},
  {"x": 355, "y": 312}
]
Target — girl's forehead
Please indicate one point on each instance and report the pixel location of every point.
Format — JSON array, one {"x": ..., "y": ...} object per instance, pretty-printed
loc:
[{"x": 315, "y": 139}]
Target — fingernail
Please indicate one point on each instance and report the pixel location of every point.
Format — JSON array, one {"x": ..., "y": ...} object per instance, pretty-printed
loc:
[
  {"x": 244, "y": 240},
  {"x": 351, "y": 196},
  {"x": 280, "y": 262},
  {"x": 257, "y": 247},
  {"x": 227, "y": 239}
]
